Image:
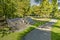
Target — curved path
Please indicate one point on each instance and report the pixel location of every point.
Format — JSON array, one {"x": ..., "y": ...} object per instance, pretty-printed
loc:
[{"x": 41, "y": 33}]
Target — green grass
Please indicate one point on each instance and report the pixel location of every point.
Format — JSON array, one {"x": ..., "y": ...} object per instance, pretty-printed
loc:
[
  {"x": 39, "y": 23},
  {"x": 12, "y": 36},
  {"x": 56, "y": 31},
  {"x": 20, "y": 35}
]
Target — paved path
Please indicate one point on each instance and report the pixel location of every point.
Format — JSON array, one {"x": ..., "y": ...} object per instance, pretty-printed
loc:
[{"x": 41, "y": 33}]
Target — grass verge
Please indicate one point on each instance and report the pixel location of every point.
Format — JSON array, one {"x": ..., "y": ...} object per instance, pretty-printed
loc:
[{"x": 56, "y": 31}]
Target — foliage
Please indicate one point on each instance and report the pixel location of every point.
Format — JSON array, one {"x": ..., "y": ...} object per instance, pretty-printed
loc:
[
  {"x": 46, "y": 8},
  {"x": 4, "y": 31},
  {"x": 55, "y": 8},
  {"x": 23, "y": 8},
  {"x": 43, "y": 10},
  {"x": 36, "y": 10},
  {"x": 7, "y": 8}
]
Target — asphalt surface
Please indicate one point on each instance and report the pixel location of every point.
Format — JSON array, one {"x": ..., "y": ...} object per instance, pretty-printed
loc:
[{"x": 41, "y": 33}]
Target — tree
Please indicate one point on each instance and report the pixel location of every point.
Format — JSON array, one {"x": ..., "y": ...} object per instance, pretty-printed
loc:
[
  {"x": 7, "y": 8},
  {"x": 55, "y": 8},
  {"x": 36, "y": 10},
  {"x": 46, "y": 8},
  {"x": 23, "y": 7}
]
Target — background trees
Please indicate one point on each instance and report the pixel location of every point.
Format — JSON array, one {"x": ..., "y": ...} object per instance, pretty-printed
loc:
[
  {"x": 21, "y": 8},
  {"x": 44, "y": 9}
]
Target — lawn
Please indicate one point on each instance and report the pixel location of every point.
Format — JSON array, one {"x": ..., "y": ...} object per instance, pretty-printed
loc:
[
  {"x": 56, "y": 31},
  {"x": 20, "y": 35}
]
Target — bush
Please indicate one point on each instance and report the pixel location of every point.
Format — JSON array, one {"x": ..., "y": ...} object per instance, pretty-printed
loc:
[{"x": 4, "y": 31}]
